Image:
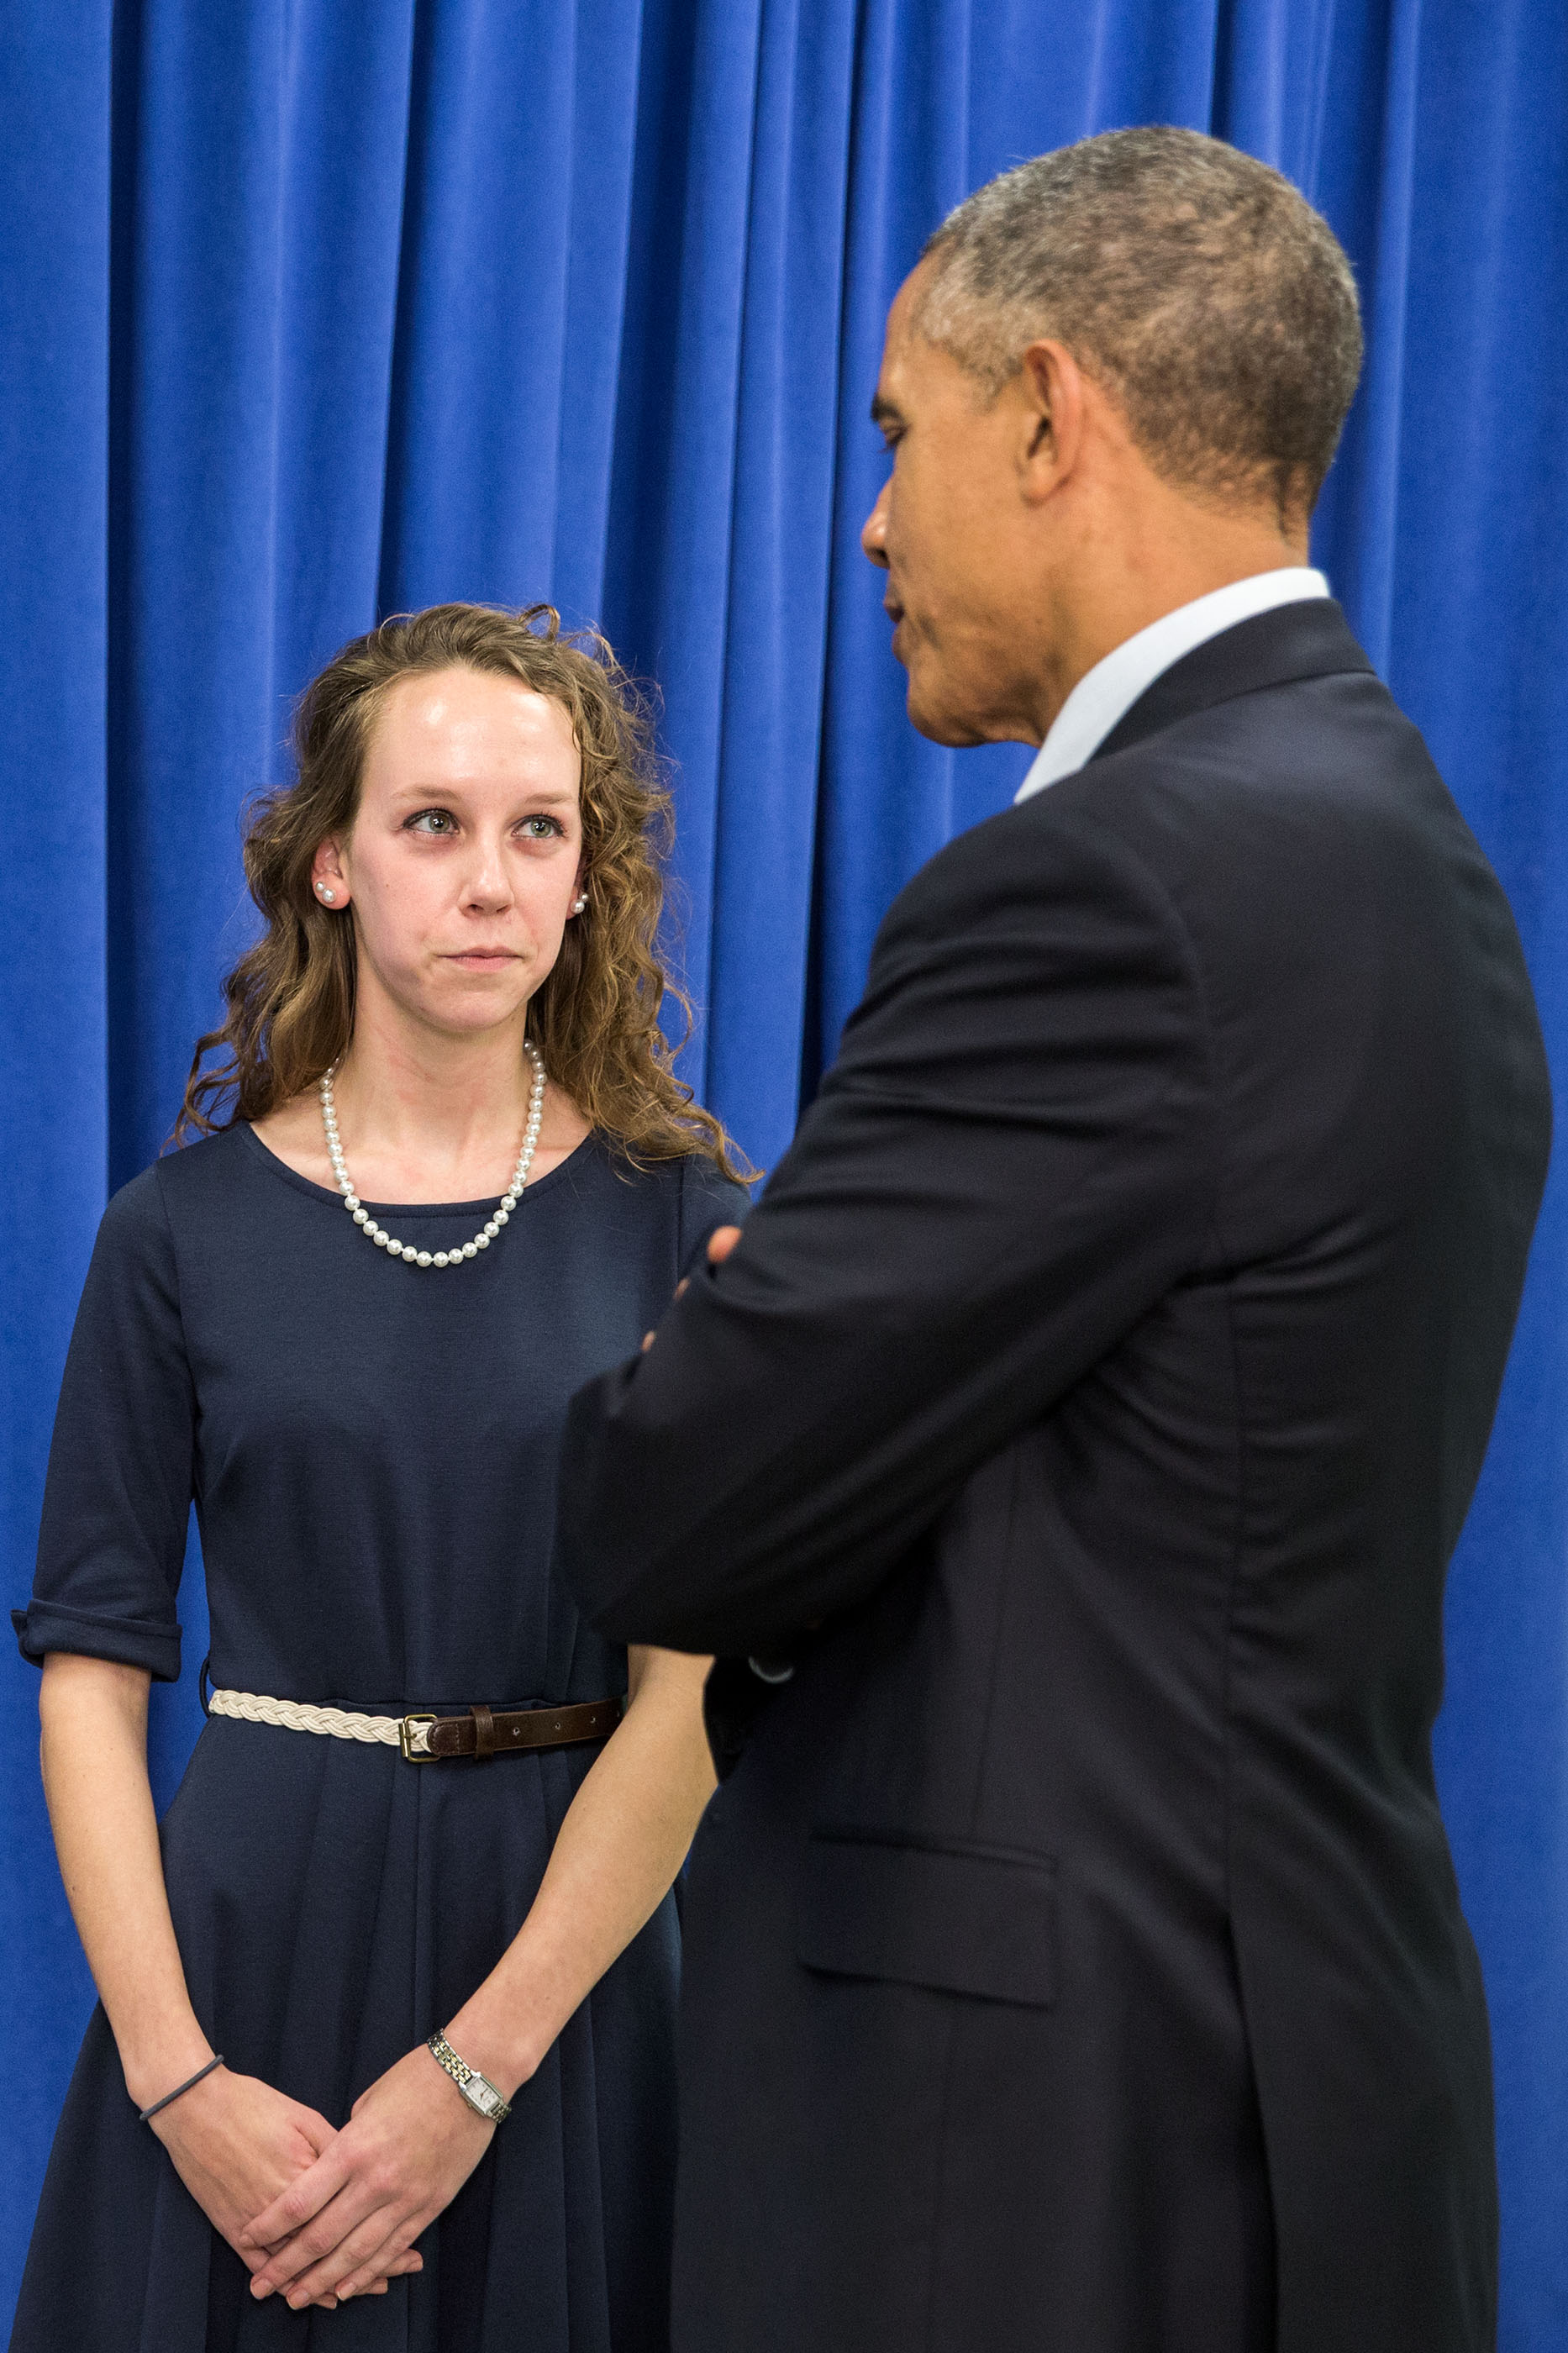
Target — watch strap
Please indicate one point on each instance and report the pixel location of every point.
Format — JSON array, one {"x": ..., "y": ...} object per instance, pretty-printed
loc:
[{"x": 478, "y": 2090}]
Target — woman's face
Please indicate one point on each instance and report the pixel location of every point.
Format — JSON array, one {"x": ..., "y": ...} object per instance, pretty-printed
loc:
[{"x": 462, "y": 863}]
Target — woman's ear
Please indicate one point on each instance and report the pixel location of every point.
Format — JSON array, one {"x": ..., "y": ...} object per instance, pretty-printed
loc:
[{"x": 328, "y": 879}]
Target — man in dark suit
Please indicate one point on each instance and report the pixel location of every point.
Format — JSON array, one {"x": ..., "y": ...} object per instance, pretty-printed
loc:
[{"x": 1066, "y": 1463}]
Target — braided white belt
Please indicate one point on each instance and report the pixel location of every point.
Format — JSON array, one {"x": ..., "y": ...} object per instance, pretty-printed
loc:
[{"x": 300, "y": 1715}]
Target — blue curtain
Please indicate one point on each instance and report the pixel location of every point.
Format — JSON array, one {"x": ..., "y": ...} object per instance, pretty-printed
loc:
[{"x": 313, "y": 309}]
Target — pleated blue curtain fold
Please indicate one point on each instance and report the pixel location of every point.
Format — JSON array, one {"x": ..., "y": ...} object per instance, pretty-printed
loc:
[
  {"x": 257, "y": 178},
  {"x": 315, "y": 310},
  {"x": 780, "y": 551},
  {"x": 674, "y": 515},
  {"x": 1478, "y": 652},
  {"x": 515, "y": 230},
  {"x": 54, "y": 1041}
]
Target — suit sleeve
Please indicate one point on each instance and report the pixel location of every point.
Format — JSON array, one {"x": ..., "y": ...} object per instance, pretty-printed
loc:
[{"x": 1007, "y": 1167}]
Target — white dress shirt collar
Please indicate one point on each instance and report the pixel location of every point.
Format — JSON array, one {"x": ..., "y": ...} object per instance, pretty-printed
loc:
[{"x": 1106, "y": 693}]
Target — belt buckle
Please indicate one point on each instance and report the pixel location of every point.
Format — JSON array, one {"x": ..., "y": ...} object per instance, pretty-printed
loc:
[{"x": 411, "y": 1730}]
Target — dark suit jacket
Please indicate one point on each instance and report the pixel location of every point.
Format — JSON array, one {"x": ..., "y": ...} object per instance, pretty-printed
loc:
[{"x": 1074, "y": 1956}]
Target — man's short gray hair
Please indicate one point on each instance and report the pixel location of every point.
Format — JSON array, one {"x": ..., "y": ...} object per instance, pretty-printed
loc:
[{"x": 1194, "y": 283}]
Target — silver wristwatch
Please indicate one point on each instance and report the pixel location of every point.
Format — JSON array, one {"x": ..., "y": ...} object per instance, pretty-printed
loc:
[{"x": 478, "y": 2090}]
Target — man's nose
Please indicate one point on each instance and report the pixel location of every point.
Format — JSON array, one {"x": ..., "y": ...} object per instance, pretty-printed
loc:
[{"x": 874, "y": 530}]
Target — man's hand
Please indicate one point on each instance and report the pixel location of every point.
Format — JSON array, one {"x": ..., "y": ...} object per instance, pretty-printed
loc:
[
  {"x": 350, "y": 2222},
  {"x": 238, "y": 2145},
  {"x": 720, "y": 1242}
]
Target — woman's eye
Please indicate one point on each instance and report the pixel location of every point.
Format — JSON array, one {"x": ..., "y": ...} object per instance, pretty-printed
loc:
[{"x": 442, "y": 824}]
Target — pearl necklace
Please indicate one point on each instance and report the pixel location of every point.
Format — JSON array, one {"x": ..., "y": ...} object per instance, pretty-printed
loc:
[{"x": 489, "y": 1230}]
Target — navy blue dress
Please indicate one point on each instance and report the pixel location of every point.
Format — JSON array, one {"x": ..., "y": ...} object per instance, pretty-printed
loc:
[{"x": 372, "y": 1453}]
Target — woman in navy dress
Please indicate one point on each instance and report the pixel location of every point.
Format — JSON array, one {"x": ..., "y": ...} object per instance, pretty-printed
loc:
[{"x": 456, "y": 1178}]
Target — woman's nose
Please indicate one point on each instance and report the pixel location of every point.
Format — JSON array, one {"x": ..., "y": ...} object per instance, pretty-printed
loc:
[{"x": 488, "y": 882}]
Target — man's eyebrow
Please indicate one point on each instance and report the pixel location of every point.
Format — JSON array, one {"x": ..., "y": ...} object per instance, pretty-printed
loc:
[{"x": 883, "y": 411}]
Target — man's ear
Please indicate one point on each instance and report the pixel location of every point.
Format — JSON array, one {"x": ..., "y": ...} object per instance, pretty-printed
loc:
[{"x": 1051, "y": 386}]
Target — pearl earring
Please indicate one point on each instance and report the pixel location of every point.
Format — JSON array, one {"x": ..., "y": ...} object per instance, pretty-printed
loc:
[
  {"x": 578, "y": 904},
  {"x": 329, "y": 896}
]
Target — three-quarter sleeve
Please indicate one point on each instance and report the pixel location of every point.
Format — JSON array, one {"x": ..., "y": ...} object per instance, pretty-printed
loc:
[{"x": 118, "y": 1496}]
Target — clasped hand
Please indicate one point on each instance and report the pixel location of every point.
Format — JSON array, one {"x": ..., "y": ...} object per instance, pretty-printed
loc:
[
  {"x": 317, "y": 2214},
  {"x": 347, "y": 2224}
]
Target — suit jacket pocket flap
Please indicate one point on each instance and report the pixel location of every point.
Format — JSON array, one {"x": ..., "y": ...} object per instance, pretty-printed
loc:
[{"x": 960, "y": 1919}]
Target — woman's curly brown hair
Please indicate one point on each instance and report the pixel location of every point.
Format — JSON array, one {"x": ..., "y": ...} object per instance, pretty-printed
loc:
[{"x": 290, "y": 997}]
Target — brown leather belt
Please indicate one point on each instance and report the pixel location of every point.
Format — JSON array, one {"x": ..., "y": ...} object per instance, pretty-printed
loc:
[{"x": 506, "y": 1731}]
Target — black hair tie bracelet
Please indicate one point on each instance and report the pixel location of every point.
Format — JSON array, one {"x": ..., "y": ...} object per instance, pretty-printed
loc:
[{"x": 145, "y": 2115}]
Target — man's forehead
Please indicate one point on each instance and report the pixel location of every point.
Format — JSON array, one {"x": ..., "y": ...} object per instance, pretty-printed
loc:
[
  {"x": 907, "y": 301},
  {"x": 900, "y": 332}
]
